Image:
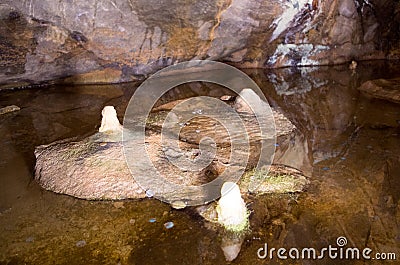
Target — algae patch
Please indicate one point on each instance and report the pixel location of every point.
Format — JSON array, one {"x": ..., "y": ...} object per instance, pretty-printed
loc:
[{"x": 277, "y": 180}]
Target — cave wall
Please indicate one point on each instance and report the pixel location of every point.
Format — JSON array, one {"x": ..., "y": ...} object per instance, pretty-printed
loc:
[{"x": 123, "y": 40}]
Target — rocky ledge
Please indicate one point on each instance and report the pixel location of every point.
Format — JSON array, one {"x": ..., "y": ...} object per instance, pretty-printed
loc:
[
  {"x": 95, "y": 167},
  {"x": 386, "y": 89},
  {"x": 102, "y": 41}
]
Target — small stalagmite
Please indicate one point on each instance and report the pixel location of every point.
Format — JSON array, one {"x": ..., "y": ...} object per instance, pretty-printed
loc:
[
  {"x": 109, "y": 121},
  {"x": 232, "y": 211}
]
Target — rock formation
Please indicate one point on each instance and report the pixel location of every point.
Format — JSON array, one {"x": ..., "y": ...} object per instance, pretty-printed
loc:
[
  {"x": 109, "y": 121},
  {"x": 99, "y": 41},
  {"x": 383, "y": 89},
  {"x": 95, "y": 167},
  {"x": 232, "y": 211}
]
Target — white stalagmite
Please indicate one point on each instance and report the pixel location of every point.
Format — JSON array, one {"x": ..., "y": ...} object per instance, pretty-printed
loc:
[
  {"x": 232, "y": 211},
  {"x": 110, "y": 121},
  {"x": 231, "y": 246}
]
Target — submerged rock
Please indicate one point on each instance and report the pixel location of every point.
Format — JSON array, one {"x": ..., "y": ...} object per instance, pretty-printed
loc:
[
  {"x": 80, "y": 243},
  {"x": 168, "y": 225},
  {"x": 95, "y": 167},
  {"x": 86, "y": 169},
  {"x": 231, "y": 245},
  {"x": 387, "y": 89},
  {"x": 178, "y": 205},
  {"x": 279, "y": 179},
  {"x": 9, "y": 109}
]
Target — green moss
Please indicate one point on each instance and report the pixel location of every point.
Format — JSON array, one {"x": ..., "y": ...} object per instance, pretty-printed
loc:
[
  {"x": 238, "y": 229},
  {"x": 79, "y": 149},
  {"x": 155, "y": 121},
  {"x": 156, "y": 118},
  {"x": 263, "y": 181},
  {"x": 241, "y": 228}
]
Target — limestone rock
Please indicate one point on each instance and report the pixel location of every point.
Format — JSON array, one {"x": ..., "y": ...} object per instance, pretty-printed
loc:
[
  {"x": 9, "y": 109},
  {"x": 278, "y": 179},
  {"x": 95, "y": 167},
  {"x": 232, "y": 211},
  {"x": 387, "y": 89},
  {"x": 117, "y": 41},
  {"x": 109, "y": 121},
  {"x": 86, "y": 169}
]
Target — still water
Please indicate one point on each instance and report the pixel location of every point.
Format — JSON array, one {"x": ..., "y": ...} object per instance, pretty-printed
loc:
[{"x": 346, "y": 142}]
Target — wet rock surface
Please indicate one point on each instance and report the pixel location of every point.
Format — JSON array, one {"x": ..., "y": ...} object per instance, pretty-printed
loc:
[
  {"x": 95, "y": 168},
  {"x": 86, "y": 170},
  {"x": 382, "y": 89},
  {"x": 9, "y": 109},
  {"x": 100, "y": 41}
]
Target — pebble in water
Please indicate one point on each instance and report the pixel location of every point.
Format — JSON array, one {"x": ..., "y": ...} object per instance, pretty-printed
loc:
[
  {"x": 81, "y": 243},
  {"x": 169, "y": 225},
  {"x": 9, "y": 109},
  {"x": 178, "y": 204},
  {"x": 149, "y": 193},
  {"x": 30, "y": 239}
]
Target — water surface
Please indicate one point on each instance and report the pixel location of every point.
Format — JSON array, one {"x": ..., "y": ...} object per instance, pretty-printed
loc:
[{"x": 346, "y": 142}]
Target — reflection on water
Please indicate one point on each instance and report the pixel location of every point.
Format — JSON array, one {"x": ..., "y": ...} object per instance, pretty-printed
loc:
[{"x": 347, "y": 143}]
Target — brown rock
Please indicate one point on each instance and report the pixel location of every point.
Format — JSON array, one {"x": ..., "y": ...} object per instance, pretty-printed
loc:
[
  {"x": 44, "y": 41},
  {"x": 105, "y": 76},
  {"x": 387, "y": 89},
  {"x": 9, "y": 109},
  {"x": 86, "y": 169},
  {"x": 95, "y": 168}
]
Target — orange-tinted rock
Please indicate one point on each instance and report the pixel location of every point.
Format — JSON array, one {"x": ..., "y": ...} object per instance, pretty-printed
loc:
[
  {"x": 50, "y": 41},
  {"x": 387, "y": 89}
]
